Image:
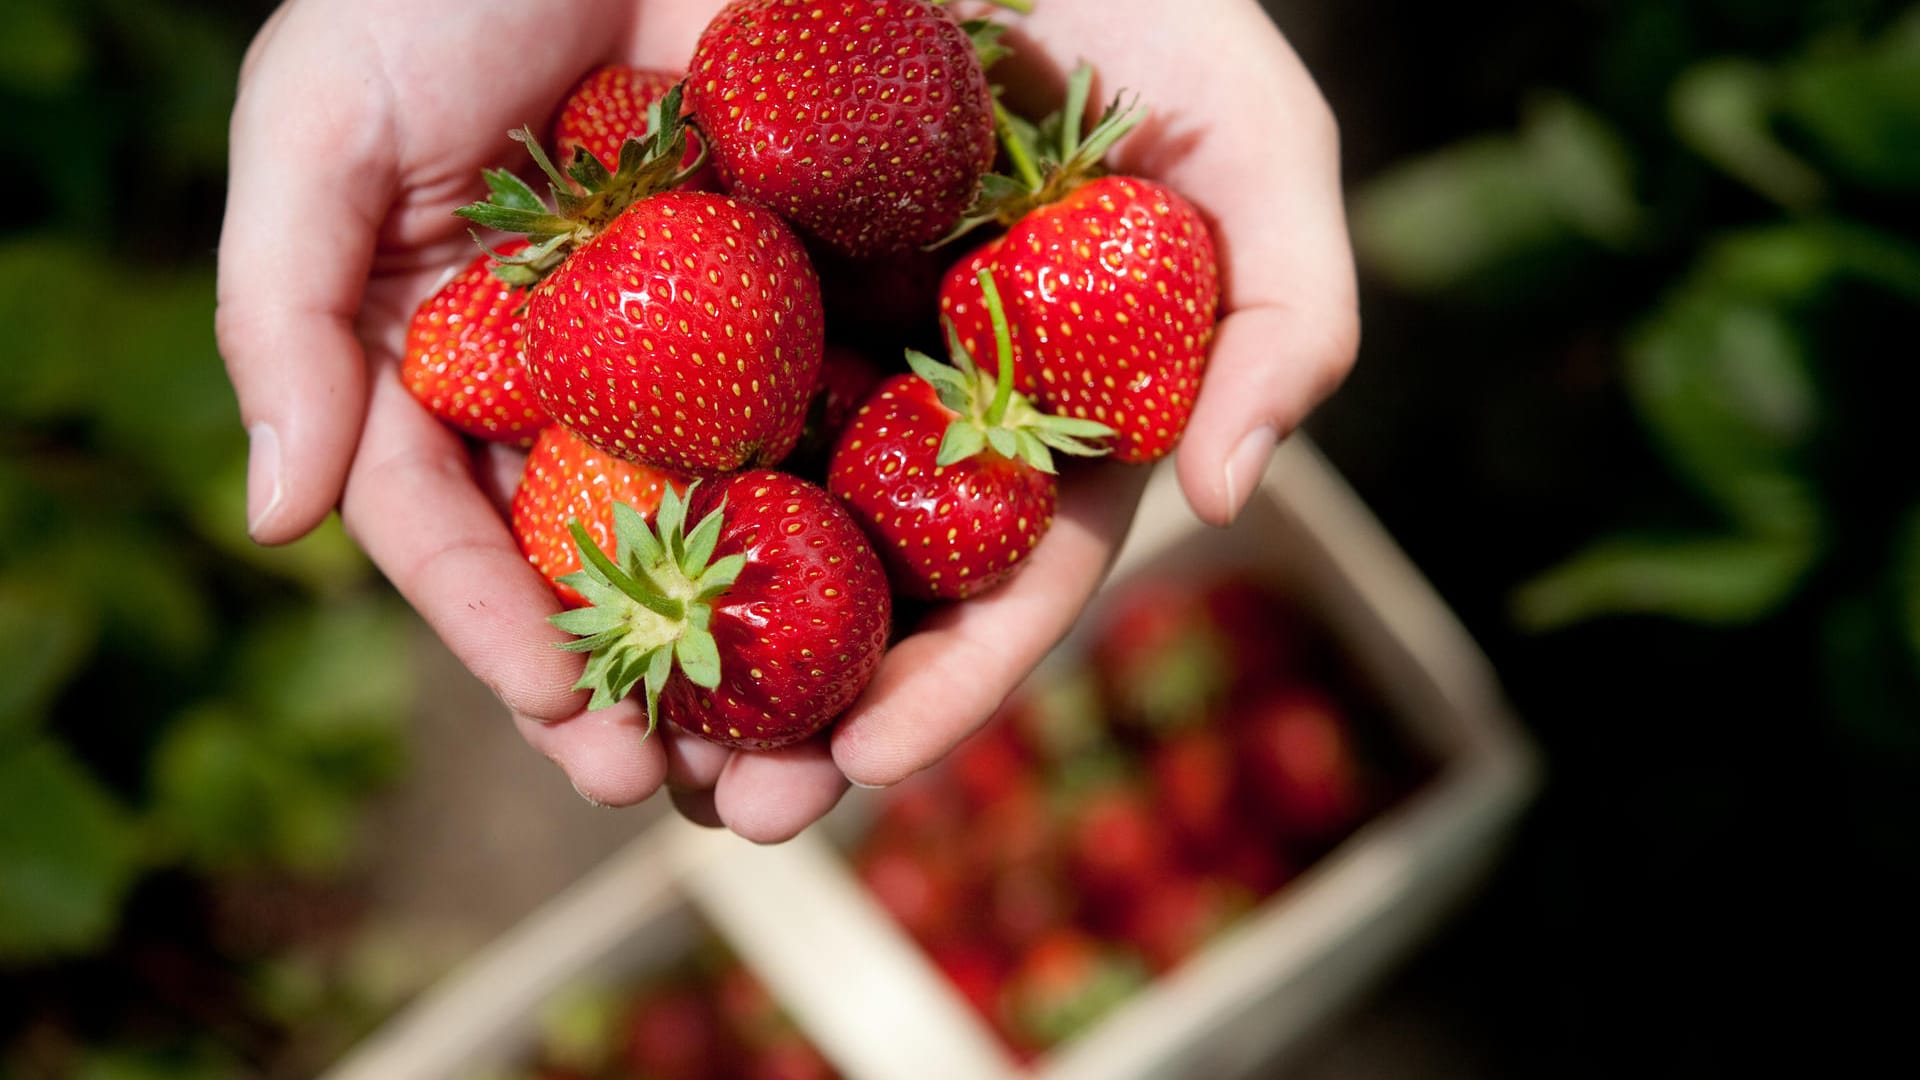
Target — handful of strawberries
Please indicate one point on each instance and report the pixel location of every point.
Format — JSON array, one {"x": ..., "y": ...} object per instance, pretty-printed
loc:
[{"x": 656, "y": 330}]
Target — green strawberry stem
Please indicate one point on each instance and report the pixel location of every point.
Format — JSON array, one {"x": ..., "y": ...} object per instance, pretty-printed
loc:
[
  {"x": 1023, "y": 7},
  {"x": 989, "y": 414},
  {"x": 1002, "y": 344},
  {"x": 585, "y": 198},
  {"x": 649, "y": 604},
  {"x": 1018, "y": 150}
]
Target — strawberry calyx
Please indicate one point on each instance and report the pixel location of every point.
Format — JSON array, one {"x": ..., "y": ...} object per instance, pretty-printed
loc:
[
  {"x": 649, "y": 603},
  {"x": 1049, "y": 159},
  {"x": 989, "y": 413},
  {"x": 586, "y": 197}
]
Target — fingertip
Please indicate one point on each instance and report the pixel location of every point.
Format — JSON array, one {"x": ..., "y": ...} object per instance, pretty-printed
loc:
[
  {"x": 770, "y": 797},
  {"x": 606, "y": 755}
]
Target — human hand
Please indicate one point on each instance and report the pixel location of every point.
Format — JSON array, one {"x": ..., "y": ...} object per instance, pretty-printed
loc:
[{"x": 337, "y": 124}]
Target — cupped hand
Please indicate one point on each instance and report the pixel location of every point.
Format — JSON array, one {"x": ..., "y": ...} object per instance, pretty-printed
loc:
[{"x": 360, "y": 125}]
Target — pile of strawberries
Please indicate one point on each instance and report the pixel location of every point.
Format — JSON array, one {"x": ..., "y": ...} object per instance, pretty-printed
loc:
[
  {"x": 1126, "y": 807},
  {"x": 704, "y": 1017},
  {"x": 728, "y": 494}
]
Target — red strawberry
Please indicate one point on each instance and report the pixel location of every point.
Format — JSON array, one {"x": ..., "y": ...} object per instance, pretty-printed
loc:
[
  {"x": 607, "y": 107},
  {"x": 1300, "y": 766},
  {"x": 755, "y": 628},
  {"x": 674, "y": 1034},
  {"x": 1172, "y": 921},
  {"x": 1193, "y": 782},
  {"x": 567, "y": 479},
  {"x": 976, "y": 970},
  {"x": 675, "y": 328},
  {"x": 922, "y": 886},
  {"x": 1160, "y": 663},
  {"x": 1114, "y": 286},
  {"x": 950, "y": 473},
  {"x": 789, "y": 1057},
  {"x": 1119, "y": 845},
  {"x": 991, "y": 765},
  {"x": 866, "y": 122},
  {"x": 1065, "y": 983},
  {"x": 466, "y": 355}
]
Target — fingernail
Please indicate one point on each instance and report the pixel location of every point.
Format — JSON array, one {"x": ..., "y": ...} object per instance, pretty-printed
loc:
[
  {"x": 591, "y": 801},
  {"x": 864, "y": 787},
  {"x": 263, "y": 475},
  {"x": 1245, "y": 465}
]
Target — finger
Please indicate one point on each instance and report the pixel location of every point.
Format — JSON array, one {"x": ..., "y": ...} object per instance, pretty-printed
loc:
[
  {"x": 606, "y": 754},
  {"x": 937, "y": 686},
  {"x": 693, "y": 763},
  {"x": 769, "y": 796},
  {"x": 289, "y": 287},
  {"x": 696, "y": 805},
  {"x": 413, "y": 505}
]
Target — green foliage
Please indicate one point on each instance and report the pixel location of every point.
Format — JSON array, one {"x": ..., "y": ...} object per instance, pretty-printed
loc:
[
  {"x": 1746, "y": 368},
  {"x": 67, "y": 852}
]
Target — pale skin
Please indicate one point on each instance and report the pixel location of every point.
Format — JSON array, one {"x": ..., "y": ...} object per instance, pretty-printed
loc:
[{"x": 361, "y": 124}]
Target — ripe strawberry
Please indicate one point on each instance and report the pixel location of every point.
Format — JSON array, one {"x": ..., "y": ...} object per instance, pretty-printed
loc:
[
  {"x": 1161, "y": 665},
  {"x": 566, "y": 479},
  {"x": 754, "y": 629},
  {"x": 1114, "y": 284},
  {"x": 607, "y": 107},
  {"x": 949, "y": 472},
  {"x": 1300, "y": 766},
  {"x": 675, "y": 1034},
  {"x": 675, "y": 328},
  {"x": 465, "y": 357},
  {"x": 1118, "y": 845},
  {"x": 868, "y": 123},
  {"x": 922, "y": 886},
  {"x": 1066, "y": 982},
  {"x": 1193, "y": 782},
  {"x": 975, "y": 969},
  {"x": 1172, "y": 921}
]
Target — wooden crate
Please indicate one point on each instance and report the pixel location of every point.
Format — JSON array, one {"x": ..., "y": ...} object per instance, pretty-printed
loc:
[{"x": 880, "y": 1011}]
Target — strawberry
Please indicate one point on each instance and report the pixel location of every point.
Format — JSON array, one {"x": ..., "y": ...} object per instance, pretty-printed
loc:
[
  {"x": 1161, "y": 665},
  {"x": 1172, "y": 921},
  {"x": 1067, "y": 981},
  {"x": 976, "y": 970},
  {"x": 950, "y": 472},
  {"x": 565, "y": 479},
  {"x": 674, "y": 1033},
  {"x": 922, "y": 886},
  {"x": 1114, "y": 279},
  {"x": 1299, "y": 765},
  {"x": 679, "y": 329},
  {"x": 755, "y": 628},
  {"x": 607, "y": 107},
  {"x": 465, "y": 356},
  {"x": 1193, "y": 783},
  {"x": 868, "y": 123},
  {"x": 1118, "y": 844}
]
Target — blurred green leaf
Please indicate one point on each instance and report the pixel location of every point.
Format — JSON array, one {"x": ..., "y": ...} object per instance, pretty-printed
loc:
[
  {"x": 1724, "y": 386},
  {"x": 44, "y": 49},
  {"x": 1722, "y": 109},
  {"x": 1792, "y": 262},
  {"x": 124, "y": 1063},
  {"x": 43, "y": 642},
  {"x": 67, "y": 853},
  {"x": 276, "y": 776},
  {"x": 1489, "y": 208},
  {"x": 1724, "y": 580},
  {"x": 324, "y": 561},
  {"x": 186, "y": 59},
  {"x": 1586, "y": 167},
  {"x": 1443, "y": 220},
  {"x": 1860, "y": 107}
]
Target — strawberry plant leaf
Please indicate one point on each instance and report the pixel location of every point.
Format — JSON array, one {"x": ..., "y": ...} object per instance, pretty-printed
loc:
[
  {"x": 963, "y": 439},
  {"x": 700, "y": 543},
  {"x": 1720, "y": 580},
  {"x": 699, "y": 657},
  {"x": 659, "y": 669},
  {"x": 67, "y": 853},
  {"x": 719, "y": 577},
  {"x": 587, "y": 170},
  {"x": 508, "y": 190},
  {"x": 1033, "y": 451},
  {"x": 586, "y": 621},
  {"x": 633, "y": 539},
  {"x": 1003, "y": 442}
]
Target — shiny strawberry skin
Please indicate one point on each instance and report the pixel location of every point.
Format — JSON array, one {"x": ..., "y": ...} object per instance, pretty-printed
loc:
[
  {"x": 607, "y": 107},
  {"x": 801, "y": 630},
  {"x": 568, "y": 478},
  {"x": 944, "y": 532},
  {"x": 1112, "y": 293},
  {"x": 685, "y": 336},
  {"x": 465, "y": 356},
  {"x": 866, "y": 122}
]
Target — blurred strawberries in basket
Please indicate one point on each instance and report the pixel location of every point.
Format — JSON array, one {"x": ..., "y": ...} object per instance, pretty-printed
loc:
[{"x": 1125, "y": 809}]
